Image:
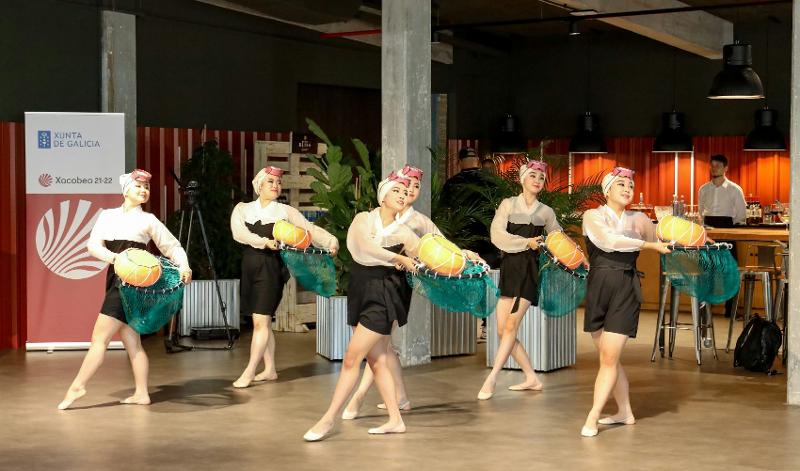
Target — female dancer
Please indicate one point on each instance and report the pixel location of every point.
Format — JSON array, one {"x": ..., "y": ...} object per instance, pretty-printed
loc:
[
  {"x": 263, "y": 270},
  {"x": 376, "y": 242},
  {"x": 116, "y": 230},
  {"x": 517, "y": 230},
  {"x": 614, "y": 238},
  {"x": 420, "y": 224}
]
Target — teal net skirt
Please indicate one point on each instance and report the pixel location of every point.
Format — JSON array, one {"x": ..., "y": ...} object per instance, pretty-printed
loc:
[
  {"x": 466, "y": 292},
  {"x": 708, "y": 273},
  {"x": 313, "y": 268},
  {"x": 561, "y": 290},
  {"x": 148, "y": 309}
]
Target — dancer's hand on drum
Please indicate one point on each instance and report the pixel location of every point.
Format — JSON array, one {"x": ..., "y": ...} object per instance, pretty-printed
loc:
[
  {"x": 473, "y": 256},
  {"x": 271, "y": 244},
  {"x": 186, "y": 276},
  {"x": 660, "y": 247},
  {"x": 709, "y": 240},
  {"x": 334, "y": 248},
  {"x": 401, "y": 262},
  {"x": 535, "y": 242}
]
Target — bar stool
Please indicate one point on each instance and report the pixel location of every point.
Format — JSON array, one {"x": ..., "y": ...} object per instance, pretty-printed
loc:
[
  {"x": 781, "y": 305},
  {"x": 764, "y": 270},
  {"x": 702, "y": 322}
]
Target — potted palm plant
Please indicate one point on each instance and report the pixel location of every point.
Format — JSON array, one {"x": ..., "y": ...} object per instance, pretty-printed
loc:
[{"x": 344, "y": 186}]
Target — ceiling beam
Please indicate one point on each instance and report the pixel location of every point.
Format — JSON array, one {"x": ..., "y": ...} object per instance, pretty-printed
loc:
[
  {"x": 697, "y": 32},
  {"x": 440, "y": 52}
]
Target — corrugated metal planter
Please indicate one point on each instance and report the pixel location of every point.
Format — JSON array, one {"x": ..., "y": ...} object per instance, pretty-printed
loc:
[
  {"x": 333, "y": 333},
  {"x": 201, "y": 306},
  {"x": 550, "y": 341},
  {"x": 452, "y": 333}
]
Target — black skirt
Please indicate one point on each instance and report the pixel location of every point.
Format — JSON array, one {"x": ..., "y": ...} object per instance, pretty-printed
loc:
[
  {"x": 263, "y": 276},
  {"x": 377, "y": 297},
  {"x": 613, "y": 292},
  {"x": 519, "y": 272},
  {"x": 112, "y": 303}
]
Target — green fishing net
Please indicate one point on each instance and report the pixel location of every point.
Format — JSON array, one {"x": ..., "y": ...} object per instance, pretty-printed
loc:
[
  {"x": 466, "y": 292},
  {"x": 708, "y": 273},
  {"x": 149, "y": 309},
  {"x": 561, "y": 290},
  {"x": 312, "y": 268}
]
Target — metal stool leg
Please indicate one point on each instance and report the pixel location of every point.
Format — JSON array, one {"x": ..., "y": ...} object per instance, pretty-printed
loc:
[
  {"x": 767, "y": 286},
  {"x": 734, "y": 310},
  {"x": 749, "y": 286},
  {"x": 673, "y": 318},
  {"x": 710, "y": 321},
  {"x": 658, "y": 342},
  {"x": 696, "y": 329}
]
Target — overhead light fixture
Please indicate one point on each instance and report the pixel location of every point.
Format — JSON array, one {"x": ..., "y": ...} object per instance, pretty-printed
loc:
[
  {"x": 673, "y": 136},
  {"x": 737, "y": 80},
  {"x": 508, "y": 140},
  {"x": 766, "y": 135},
  {"x": 573, "y": 28},
  {"x": 586, "y": 12},
  {"x": 588, "y": 139}
]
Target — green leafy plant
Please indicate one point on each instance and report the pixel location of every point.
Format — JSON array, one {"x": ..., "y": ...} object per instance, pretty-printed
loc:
[
  {"x": 341, "y": 195},
  {"x": 212, "y": 168},
  {"x": 568, "y": 206}
]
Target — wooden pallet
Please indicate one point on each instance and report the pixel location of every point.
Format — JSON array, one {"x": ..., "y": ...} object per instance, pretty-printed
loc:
[{"x": 298, "y": 306}]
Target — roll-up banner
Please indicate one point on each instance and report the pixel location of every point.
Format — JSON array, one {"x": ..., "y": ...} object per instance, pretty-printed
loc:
[{"x": 72, "y": 163}]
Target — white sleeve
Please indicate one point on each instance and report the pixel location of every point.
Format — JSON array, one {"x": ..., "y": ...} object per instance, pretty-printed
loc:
[
  {"x": 426, "y": 224},
  {"x": 739, "y": 206},
  {"x": 240, "y": 231},
  {"x": 502, "y": 239},
  {"x": 319, "y": 236},
  {"x": 551, "y": 222},
  {"x": 644, "y": 226},
  {"x": 604, "y": 237},
  {"x": 363, "y": 248},
  {"x": 96, "y": 245},
  {"x": 167, "y": 243},
  {"x": 701, "y": 202}
]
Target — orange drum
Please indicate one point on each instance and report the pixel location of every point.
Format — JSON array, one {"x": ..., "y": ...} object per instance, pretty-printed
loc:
[
  {"x": 289, "y": 234},
  {"x": 441, "y": 255},
  {"x": 564, "y": 249},
  {"x": 680, "y": 231},
  {"x": 137, "y": 267}
]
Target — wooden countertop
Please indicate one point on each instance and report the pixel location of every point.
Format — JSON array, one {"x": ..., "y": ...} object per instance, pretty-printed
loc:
[{"x": 760, "y": 234}]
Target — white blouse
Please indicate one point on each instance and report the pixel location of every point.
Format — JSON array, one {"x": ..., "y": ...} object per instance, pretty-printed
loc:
[
  {"x": 516, "y": 211},
  {"x": 618, "y": 234},
  {"x": 419, "y": 223},
  {"x": 724, "y": 200},
  {"x": 274, "y": 211},
  {"x": 367, "y": 239},
  {"x": 137, "y": 226}
]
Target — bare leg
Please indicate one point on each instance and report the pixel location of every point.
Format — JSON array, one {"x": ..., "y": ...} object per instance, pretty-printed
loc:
[
  {"x": 610, "y": 349},
  {"x": 351, "y": 410},
  {"x": 621, "y": 395},
  {"x": 377, "y": 359},
  {"x": 104, "y": 329},
  {"x": 258, "y": 349},
  {"x": 139, "y": 363},
  {"x": 507, "y": 325},
  {"x": 269, "y": 373},
  {"x": 361, "y": 343}
]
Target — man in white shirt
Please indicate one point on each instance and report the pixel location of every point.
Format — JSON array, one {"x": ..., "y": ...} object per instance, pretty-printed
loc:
[{"x": 721, "y": 203}]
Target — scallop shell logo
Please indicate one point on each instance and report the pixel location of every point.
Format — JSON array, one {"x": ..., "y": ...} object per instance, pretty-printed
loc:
[
  {"x": 45, "y": 179},
  {"x": 61, "y": 238}
]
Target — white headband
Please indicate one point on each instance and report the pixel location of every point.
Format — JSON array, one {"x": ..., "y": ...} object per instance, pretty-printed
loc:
[
  {"x": 609, "y": 180},
  {"x": 127, "y": 179},
  {"x": 262, "y": 174}
]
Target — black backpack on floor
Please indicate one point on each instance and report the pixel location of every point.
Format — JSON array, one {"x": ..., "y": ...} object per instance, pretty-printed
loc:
[{"x": 758, "y": 345}]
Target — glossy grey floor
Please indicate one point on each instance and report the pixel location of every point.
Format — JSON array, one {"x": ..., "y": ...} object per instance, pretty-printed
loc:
[{"x": 689, "y": 417}]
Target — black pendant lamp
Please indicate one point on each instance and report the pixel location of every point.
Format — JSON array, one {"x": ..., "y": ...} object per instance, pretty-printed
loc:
[
  {"x": 588, "y": 139},
  {"x": 673, "y": 136},
  {"x": 508, "y": 140},
  {"x": 766, "y": 135},
  {"x": 737, "y": 80}
]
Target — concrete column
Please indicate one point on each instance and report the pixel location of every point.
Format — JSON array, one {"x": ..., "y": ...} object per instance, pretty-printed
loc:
[
  {"x": 406, "y": 132},
  {"x": 793, "y": 318},
  {"x": 118, "y": 74}
]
